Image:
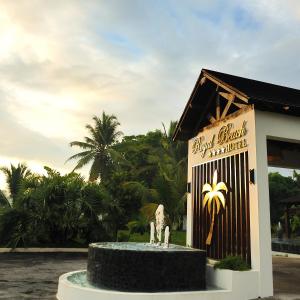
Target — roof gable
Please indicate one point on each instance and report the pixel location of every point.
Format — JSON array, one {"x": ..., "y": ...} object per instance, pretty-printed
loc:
[{"x": 210, "y": 84}]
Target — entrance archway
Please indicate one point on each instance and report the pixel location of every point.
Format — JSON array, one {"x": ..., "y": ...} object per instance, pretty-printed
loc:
[
  {"x": 227, "y": 123},
  {"x": 284, "y": 157}
]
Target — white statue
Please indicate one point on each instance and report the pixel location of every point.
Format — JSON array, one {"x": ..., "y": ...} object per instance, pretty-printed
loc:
[
  {"x": 160, "y": 222},
  {"x": 152, "y": 232},
  {"x": 167, "y": 236}
]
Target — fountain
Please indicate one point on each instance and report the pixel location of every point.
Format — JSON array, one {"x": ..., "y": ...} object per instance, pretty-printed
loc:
[{"x": 116, "y": 270}]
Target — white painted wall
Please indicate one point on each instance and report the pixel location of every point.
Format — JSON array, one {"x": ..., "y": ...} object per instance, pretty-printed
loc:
[
  {"x": 261, "y": 126},
  {"x": 223, "y": 285},
  {"x": 267, "y": 126}
]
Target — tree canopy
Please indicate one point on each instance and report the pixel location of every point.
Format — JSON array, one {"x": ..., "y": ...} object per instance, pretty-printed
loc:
[{"x": 136, "y": 173}]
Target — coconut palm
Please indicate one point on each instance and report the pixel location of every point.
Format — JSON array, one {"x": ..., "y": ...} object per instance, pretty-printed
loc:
[
  {"x": 213, "y": 198},
  {"x": 4, "y": 202},
  {"x": 98, "y": 146},
  {"x": 14, "y": 178},
  {"x": 168, "y": 185}
]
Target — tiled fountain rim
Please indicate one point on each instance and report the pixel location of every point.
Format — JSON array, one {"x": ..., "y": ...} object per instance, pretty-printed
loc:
[{"x": 133, "y": 246}]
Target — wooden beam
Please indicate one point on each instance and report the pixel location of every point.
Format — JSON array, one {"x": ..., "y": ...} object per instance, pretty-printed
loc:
[
  {"x": 239, "y": 95},
  {"x": 218, "y": 108},
  {"x": 228, "y": 104},
  {"x": 239, "y": 105},
  {"x": 211, "y": 119},
  {"x": 202, "y": 81},
  {"x": 227, "y": 96}
]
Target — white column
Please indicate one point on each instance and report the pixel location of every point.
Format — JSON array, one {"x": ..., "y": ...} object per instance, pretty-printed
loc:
[
  {"x": 279, "y": 127},
  {"x": 189, "y": 221},
  {"x": 261, "y": 252}
]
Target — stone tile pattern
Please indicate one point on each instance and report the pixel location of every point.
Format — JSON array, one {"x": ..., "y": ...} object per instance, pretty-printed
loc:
[{"x": 146, "y": 271}]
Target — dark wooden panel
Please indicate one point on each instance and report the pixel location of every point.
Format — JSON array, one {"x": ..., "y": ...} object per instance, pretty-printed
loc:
[
  {"x": 231, "y": 235},
  {"x": 247, "y": 208}
]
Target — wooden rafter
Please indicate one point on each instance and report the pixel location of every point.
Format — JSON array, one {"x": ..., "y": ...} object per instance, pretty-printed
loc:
[
  {"x": 230, "y": 99},
  {"x": 218, "y": 108},
  {"x": 211, "y": 119},
  {"x": 238, "y": 94},
  {"x": 202, "y": 81},
  {"x": 227, "y": 96},
  {"x": 239, "y": 105}
]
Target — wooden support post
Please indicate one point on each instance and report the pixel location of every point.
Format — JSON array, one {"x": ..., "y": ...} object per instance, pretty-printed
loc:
[
  {"x": 230, "y": 99},
  {"x": 218, "y": 108}
]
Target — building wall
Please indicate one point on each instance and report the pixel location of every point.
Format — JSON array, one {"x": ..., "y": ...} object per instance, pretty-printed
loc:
[
  {"x": 268, "y": 126},
  {"x": 260, "y": 126},
  {"x": 196, "y": 159}
]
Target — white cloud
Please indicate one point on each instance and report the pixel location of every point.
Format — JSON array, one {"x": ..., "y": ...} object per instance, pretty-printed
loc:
[{"x": 63, "y": 61}]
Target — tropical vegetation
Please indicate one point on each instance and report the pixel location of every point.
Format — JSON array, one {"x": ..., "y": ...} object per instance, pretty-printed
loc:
[
  {"x": 129, "y": 176},
  {"x": 98, "y": 147},
  {"x": 235, "y": 263}
]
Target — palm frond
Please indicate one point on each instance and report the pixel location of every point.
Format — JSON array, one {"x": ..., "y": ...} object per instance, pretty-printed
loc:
[
  {"x": 84, "y": 161},
  {"x": 82, "y": 145},
  {"x": 90, "y": 141},
  {"x": 95, "y": 170},
  {"x": 4, "y": 202},
  {"x": 79, "y": 155},
  {"x": 92, "y": 131}
]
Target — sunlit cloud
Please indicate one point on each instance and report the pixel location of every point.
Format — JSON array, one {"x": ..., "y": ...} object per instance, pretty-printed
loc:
[{"x": 61, "y": 62}]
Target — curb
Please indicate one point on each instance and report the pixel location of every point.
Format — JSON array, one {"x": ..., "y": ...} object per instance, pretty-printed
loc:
[
  {"x": 285, "y": 254},
  {"x": 43, "y": 250}
]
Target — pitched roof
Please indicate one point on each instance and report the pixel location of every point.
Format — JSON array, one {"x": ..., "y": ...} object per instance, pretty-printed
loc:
[
  {"x": 264, "y": 96},
  {"x": 260, "y": 91}
]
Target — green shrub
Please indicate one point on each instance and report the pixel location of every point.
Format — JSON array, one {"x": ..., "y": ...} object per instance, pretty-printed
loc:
[
  {"x": 138, "y": 226},
  {"x": 235, "y": 263},
  {"x": 123, "y": 236},
  {"x": 295, "y": 225}
]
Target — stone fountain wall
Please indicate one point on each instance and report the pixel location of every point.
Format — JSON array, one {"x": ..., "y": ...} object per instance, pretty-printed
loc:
[{"x": 178, "y": 269}]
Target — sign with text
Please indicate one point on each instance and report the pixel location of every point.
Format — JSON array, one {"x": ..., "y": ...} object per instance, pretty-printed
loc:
[{"x": 227, "y": 139}]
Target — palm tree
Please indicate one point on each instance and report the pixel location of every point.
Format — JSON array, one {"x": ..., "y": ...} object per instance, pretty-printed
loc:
[
  {"x": 168, "y": 183},
  {"x": 4, "y": 202},
  {"x": 177, "y": 150},
  {"x": 172, "y": 172},
  {"x": 98, "y": 146},
  {"x": 14, "y": 178},
  {"x": 213, "y": 198}
]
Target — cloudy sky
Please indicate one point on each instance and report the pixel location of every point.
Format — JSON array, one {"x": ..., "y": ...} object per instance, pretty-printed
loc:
[{"x": 61, "y": 62}]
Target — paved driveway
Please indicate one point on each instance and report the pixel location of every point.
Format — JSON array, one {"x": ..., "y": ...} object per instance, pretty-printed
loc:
[
  {"x": 286, "y": 278},
  {"x": 35, "y": 276}
]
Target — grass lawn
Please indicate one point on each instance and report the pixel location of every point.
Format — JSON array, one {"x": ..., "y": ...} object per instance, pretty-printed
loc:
[{"x": 177, "y": 237}]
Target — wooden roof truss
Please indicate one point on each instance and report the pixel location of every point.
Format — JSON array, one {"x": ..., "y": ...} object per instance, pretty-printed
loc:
[{"x": 231, "y": 97}]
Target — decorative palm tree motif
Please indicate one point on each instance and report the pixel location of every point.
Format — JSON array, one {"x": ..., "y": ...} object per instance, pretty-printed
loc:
[{"x": 213, "y": 198}]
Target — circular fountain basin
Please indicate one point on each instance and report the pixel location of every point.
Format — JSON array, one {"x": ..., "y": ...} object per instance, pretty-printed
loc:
[{"x": 139, "y": 267}]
